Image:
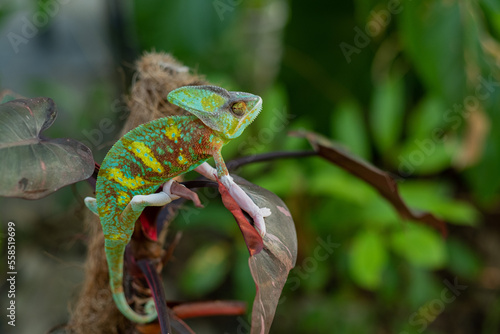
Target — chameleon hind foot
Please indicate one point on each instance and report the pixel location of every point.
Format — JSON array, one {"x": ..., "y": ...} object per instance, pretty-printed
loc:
[{"x": 139, "y": 202}]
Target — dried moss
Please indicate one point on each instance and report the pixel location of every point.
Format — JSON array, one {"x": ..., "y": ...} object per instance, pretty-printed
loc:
[{"x": 95, "y": 312}]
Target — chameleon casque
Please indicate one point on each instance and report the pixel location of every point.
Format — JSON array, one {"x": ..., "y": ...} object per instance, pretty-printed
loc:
[{"x": 150, "y": 155}]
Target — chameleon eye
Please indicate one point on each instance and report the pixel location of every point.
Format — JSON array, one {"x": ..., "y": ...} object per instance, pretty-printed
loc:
[{"x": 239, "y": 108}]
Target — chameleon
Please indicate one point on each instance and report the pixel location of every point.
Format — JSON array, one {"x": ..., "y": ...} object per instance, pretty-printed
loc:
[{"x": 151, "y": 155}]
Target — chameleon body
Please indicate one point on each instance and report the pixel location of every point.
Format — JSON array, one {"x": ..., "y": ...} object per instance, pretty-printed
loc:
[{"x": 150, "y": 155}]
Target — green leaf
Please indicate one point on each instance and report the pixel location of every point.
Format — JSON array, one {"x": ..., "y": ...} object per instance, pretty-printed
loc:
[
  {"x": 425, "y": 156},
  {"x": 492, "y": 11},
  {"x": 206, "y": 269},
  {"x": 387, "y": 113},
  {"x": 377, "y": 212},
  {"x": 420, "y": 246},
  {"x": 435, "y": 197},
  {"x": 288, "y": 170},
  {"x": 422, "y": 286},
  {"x": 433, "y": 34},
  {"x": 340, "y": 184},
  {"x": 190, "y": 26},
  {"x": 425, "y": 151},
  {"x": 349, "y": 128},
  {"x": 463, "y": 261},
  {"x": 483, "y": 177},
  {"x": 31, "y": 166},
  {"x": 426, "y": 118},
  {"x": 318, "y": 278},
  {"x": 243, "y": 283},
  {"x": 368, "y": 259},
  {"x": 384, "y": 183}
]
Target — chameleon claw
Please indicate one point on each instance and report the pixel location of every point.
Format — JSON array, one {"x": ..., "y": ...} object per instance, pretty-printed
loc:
[
  {"x": 167, "y": 189},
  {"x": 260, "y": 225},
  {"x": 258, "y": 220},
  {"x": 246, "y": 204},
  {"x": 178, "y": 189},
  {"x": 139, "y": 202},
  {"x": 265, "y": 212}
]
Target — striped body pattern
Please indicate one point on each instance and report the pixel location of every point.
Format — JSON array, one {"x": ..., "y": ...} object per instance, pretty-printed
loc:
[
  {"x": 150, "y": 155},
  {"x": 144, "y": 159}
]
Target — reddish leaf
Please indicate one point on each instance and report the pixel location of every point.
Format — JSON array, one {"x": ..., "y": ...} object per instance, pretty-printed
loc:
[
  {"x": 154, "y": 328},
  {"x": 149, "y": 216},
  {"x": 252, "y": 238},
  {"x": 154, "y": 282},
  {"x": 377, "y": 178},
  {"x": 209, "y": 308},
  {"x": 148, "y": 219},
  {"x": 271, "y": 265}
]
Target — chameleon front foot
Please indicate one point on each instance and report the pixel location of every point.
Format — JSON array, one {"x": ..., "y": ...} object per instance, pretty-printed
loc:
[
  {"x": 246, "y": 204},
  {"x": 243, "y": 200},
  {"x": 139, "y": 202}
]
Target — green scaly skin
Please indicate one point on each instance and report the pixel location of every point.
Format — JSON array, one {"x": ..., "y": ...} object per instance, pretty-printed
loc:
[{"x": 152, "y": 154}]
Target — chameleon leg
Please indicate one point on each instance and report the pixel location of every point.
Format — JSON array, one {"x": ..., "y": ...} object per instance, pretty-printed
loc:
[
  {"x": 207, "y": 171},
  {"x": 246, "y": 204},
  {"x": 241, "y": 197},
  {"x": 134, "y": 208},
  {"x": 117, "y": 239}
]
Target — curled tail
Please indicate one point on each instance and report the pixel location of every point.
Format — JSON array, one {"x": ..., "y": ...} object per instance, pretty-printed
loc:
[{"x": 115, "y": 250}]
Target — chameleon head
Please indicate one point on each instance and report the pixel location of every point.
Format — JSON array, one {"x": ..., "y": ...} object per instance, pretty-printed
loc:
[{"x": 228, "y": 113}]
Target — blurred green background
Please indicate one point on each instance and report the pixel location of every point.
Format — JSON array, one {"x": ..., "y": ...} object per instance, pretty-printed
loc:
[{"x": 411, "y": 86}]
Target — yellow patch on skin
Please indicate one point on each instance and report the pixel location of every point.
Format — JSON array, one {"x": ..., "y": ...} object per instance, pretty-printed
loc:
[
  {"x": 182, "y": 159},
  {"x": 212, "y": 102},
  {"x": 106, "y": 209},
  {"x": 123, "y": 198},
  {"x": 114, "y": 237},
  {"x": 143, "y": 152},
  {"x": 116, "y": 175},
  {"x": 172, "y": 132}
]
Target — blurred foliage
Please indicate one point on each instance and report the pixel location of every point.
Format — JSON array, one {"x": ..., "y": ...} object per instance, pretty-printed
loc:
[
  {"x": 422, "y": 79},
  {"x": 411, "y": 86}
]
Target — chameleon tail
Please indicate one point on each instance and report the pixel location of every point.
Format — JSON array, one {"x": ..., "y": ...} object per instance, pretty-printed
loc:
[{"x": 115, "y": 250}]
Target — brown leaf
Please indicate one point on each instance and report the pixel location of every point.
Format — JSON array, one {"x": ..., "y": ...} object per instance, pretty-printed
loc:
[
  {"x": 209, "y": 308},
  {"x": 252, "y": 238},
  {"x": 478, "y": 127},
  {"x": 271, "y": 265},
  {"x": 375, "y": 177}
]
